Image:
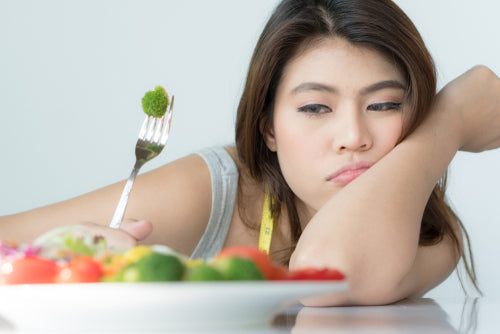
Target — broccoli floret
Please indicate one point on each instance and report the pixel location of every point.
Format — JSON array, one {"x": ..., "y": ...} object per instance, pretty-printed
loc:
[{"x": 155, "y": 102}]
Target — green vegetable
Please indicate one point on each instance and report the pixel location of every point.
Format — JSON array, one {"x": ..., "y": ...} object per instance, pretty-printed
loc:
[
  {"x": 155, "y": 103},
  {"x": 70, "y": 241},
  {"x": 77, "y": 245},
  {"x": 203, "y": 272},
  {"x": 237, "y": 268},
  {"x": 152, "y": 268}
]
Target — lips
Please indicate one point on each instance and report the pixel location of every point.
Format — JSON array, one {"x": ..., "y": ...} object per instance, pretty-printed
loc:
[{"x": 348, "y": 173}]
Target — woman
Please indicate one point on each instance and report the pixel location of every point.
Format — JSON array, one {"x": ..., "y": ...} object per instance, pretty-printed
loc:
[{"x": 339, "y": 125}]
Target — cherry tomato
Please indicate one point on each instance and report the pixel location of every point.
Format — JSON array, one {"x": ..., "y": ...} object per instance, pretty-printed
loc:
[
  {"x": 279, "y": 273},
  {"x": 260, "y": 259},
  {"x": 316, "y": 274},
  {"x": 83, "y": 269},
  {"x": 30, "y": 269}
]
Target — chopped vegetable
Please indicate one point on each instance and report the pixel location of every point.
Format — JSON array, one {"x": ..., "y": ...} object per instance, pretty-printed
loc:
[
  {"x": 68, "y": 242},
  {"x": 73, "y": 255},
  {"x": 84, "y": 269},
  {"x": 237, "y": 268},
  {"x": 111, "y": 264},
  {"x": 278, "y": 273},
  {"x": 152, "y": 268},
  {"x": 315, "y": 274},
  {"x": 155, "y": 103},
  {"x": 136, "y": 253},
  {"x": 29, "y": 270},
  {"x": 261, "y": 259},
  {"x": 202, "y": 272},
  {"x": 80, "y": 246}
]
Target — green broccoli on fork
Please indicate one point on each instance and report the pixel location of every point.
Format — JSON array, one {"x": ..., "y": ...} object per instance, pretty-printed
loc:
[{"x": 155, "y": 102}]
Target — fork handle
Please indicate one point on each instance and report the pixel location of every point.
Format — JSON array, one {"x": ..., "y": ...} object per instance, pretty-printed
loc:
[{"x": 122, "y": 204}]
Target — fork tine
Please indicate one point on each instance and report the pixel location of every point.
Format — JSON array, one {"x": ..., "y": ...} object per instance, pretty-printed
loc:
[
  {"x": 151, "y": 128},
  {"x": 144, "y": 128},
  {"x": 158, "y": 130},
  {"x": 166, "y": 128}
]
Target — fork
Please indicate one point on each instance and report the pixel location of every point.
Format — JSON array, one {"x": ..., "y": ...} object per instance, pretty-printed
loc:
[{"x": 152, "y": 139}]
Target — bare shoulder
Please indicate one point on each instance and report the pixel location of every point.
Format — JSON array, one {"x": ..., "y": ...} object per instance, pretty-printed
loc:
[
  {"x": 234, "y": 155},
  {"x": 246, "y": 180}
]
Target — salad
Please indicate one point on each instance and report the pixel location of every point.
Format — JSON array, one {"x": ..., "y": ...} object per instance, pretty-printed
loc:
[{"x": 76, "y": 256}]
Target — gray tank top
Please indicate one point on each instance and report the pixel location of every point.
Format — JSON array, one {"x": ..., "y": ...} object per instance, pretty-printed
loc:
[{"x": 224, "y": 175}]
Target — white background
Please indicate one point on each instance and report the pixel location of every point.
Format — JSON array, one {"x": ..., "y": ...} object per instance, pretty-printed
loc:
[{"x": 72, "y": 74}]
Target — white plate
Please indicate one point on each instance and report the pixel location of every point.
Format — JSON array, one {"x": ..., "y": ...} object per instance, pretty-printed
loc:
[{"x": 150, "y": 306}]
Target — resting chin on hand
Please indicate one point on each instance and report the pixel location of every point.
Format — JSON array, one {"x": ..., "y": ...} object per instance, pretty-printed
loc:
[{"x": 370, "y": 230}]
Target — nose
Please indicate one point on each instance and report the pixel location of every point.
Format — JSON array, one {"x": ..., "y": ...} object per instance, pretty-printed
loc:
[{"x": 351, "y": 133}]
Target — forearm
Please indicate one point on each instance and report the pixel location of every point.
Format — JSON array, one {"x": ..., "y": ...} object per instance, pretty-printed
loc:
[
  {"x": 92, "y": 207},
  {"x": 370, "y": 229},
  {"x": 164, "y": 197}
]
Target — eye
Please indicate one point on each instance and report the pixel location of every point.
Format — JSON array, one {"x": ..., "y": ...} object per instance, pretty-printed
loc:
[
  {"x": 385, "y": 106},
  {"x": 315, "y": 109}
]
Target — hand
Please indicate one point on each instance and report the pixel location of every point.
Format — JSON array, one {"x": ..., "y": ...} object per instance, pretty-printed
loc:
[
  {"x": 473, "y": 99},
  {"x": 127, "y": 236},
  {"x": 123, "y": 238},
  {"x": 138, "y": 229}
]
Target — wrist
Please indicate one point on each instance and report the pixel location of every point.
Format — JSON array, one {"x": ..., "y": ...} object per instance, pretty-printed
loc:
[{"x": 445, "y": 124}]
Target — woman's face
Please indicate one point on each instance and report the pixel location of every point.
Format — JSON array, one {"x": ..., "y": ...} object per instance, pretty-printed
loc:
[{"x": 338, "y": 110}]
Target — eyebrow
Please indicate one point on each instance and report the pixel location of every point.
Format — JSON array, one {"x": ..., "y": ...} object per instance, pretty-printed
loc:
[
  {"x": 307, "y": 86},
  {"x": 383, "y": 85}
]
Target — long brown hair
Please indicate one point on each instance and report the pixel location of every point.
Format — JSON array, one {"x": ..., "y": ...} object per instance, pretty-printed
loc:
[{"x": 377, "y": 24}]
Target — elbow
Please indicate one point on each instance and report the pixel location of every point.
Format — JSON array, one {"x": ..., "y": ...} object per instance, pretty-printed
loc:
[
  {"x": 366, "y": 284},
  {"x": 361, "y": 292}
]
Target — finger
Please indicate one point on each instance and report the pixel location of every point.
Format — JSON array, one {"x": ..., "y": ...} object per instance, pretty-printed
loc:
[
  {"x": 115, "y": 238},
  {"x": 137, "y": 229}
]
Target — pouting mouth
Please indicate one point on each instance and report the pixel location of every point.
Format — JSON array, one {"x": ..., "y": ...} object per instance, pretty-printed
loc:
[{"x": 350, "y": 167}]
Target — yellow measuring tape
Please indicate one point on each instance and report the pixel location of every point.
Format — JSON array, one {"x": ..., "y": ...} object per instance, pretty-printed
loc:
[{"x": 266, "y": 226}]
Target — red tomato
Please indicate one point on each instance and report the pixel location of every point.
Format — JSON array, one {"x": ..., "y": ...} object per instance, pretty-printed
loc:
[
  {"x": 30, "y": 270},
  {"x": 279, "y": 273},
  {"x": 83, "y": 269},
  {"x": 316, "y": 274},
  {"x": 260, "y": 259}
]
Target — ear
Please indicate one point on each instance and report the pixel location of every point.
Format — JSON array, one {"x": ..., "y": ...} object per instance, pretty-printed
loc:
[{"x": 268, "y": 134}]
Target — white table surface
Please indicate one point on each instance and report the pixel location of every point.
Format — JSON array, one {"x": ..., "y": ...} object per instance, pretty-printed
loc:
[{"x": 424, "y": 315}]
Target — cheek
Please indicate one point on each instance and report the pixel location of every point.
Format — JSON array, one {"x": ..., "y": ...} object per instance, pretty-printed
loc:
[
  {"x": 289, "y": 144},
  {"x": 295, "y": 139},
  {"x": 287, "y": 138},
  {"x": 388, "y": 135},
  {"x": 295, "y": 147},
  {"x": 286, "y": 133}
]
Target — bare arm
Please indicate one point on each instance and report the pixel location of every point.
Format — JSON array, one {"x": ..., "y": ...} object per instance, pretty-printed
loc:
[
  {"x": 175, "y": 198},
  {"x": 372, "y": 226}
]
